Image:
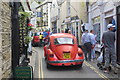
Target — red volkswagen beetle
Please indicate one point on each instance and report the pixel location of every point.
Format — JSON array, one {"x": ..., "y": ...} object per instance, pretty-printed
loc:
[{"x": 62, "y": 50}]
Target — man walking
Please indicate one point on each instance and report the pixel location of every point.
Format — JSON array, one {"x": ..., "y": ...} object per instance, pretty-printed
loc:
[
  {"x": 86, "y": 41},
  {"x": 108, "y": 40},
  {"x": 62, "y": 31},
  {"x": 93, "y": 42}
]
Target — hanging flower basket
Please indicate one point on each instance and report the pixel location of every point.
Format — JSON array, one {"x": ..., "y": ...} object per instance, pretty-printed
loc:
[{"x": 30, "y": 26}]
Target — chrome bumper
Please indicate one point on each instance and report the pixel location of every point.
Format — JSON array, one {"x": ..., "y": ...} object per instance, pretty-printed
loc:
[{"x": 66, "y": 61}]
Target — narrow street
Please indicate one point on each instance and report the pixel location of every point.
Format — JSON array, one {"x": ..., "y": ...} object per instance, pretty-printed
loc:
[
  {"x": 63, "y": 27},
  {"x": 88, "y": 70}
]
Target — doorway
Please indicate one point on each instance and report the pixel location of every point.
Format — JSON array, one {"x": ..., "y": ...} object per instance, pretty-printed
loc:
[{"x": 118, "y": 34}]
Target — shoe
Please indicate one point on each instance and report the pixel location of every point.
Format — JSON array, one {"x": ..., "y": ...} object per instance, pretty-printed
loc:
[
  {"x": 115, "y": 70},
  {"x": 106, "y": 71},
  {"x": 118, "y": 66}
]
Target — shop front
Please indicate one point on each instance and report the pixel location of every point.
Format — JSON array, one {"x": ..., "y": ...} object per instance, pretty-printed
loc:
[
  {"x": 75, "y": 27},
  {"x": 67, "y": 25},
  {"x": 96, "y": 28},
  {"x": 54, "y": 24},
  {"x": 97, "y": 32}
]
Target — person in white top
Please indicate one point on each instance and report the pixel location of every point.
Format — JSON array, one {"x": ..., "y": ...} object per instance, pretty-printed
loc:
[
  {"x": 93, "y": 41},
  {"x": 70, "y": 32},
  {"x": 86, "y": 42}
]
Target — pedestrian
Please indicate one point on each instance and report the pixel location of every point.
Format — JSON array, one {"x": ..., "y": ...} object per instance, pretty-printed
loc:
[
  {"x": 108, "y": 40},
  {"x": 69, "y": 31},
  {"x": 66, "y": 30},
  {"x": 30, "y": 34},
  {"x": 86, "y": 41},
  {"x": 62, "y": 31},
  {"x": 93, "y": 41},
  {"x": 41, "y": 38},
  {"x": 45, "y": 34}
]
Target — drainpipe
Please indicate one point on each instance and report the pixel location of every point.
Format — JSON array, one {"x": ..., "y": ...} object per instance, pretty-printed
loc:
[
  {"x": 15, "y": 35},
  {"x": 118, "y": 35}
]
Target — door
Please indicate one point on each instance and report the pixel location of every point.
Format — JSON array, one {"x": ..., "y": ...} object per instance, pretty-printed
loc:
[{"x": 118, "y": 34}]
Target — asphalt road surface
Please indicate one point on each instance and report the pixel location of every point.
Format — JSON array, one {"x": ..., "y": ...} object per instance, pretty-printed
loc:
[{"x": 88, "y": 71}]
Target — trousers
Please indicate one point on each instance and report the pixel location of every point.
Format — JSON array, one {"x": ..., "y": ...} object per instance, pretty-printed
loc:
[
  {"x": 87, "y": 50},
  {"x": 110, "y": 57}
]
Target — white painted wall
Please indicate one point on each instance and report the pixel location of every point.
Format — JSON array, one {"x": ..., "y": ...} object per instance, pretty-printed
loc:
[
  {"x": 105, "y": 11},
  {"x": 54, "y": 9},
  {"x": 63, "y": 12},
  {"x": 49, "y": 15}
]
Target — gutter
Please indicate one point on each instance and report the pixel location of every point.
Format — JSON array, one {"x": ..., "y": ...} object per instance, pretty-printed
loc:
[
  {"x": 28, "y": 5},
  {"x": 42, "y": 4}
]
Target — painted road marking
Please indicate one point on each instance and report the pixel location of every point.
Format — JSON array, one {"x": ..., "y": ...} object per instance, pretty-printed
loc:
[
  {"x": 41, "y": 68},
  {"x": 86, "y": 63},
  {"x": 96, "y": 71},
  {"x": 42, "y": 75}
]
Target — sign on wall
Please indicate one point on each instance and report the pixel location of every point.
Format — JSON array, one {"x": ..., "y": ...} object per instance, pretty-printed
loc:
[{"x": 39, "y": 14}]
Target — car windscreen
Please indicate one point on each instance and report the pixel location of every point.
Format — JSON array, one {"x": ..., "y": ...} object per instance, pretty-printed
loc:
[{"x": 63, "y": 40}]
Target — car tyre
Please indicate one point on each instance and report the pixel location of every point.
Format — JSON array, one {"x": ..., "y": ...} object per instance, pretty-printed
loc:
[
  {"x": 48, "y": 66},
  {"x": 80, "y": 65},
  {"x": 45, "y": 58},
  {"x": 33, "y": 44}
]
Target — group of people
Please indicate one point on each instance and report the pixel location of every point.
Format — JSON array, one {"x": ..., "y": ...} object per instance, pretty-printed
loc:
[
  {"x": 89, "y": 41},
  {"x": 66, "y": 31},
  {"x": 44, "y": 36},
  {"x": 108, "y": 39}
]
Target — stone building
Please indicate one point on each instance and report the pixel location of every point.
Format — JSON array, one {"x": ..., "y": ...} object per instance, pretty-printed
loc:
[
  {"x": 5, "y": 40},
  {"x": 9, "y": 38}
]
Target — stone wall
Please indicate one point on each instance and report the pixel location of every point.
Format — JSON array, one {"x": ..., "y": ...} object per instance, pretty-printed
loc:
[{"x": 5, "y": 40}]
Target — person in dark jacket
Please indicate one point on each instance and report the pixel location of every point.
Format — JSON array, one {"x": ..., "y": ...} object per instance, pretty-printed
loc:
[{"x": 108, "y": 40}]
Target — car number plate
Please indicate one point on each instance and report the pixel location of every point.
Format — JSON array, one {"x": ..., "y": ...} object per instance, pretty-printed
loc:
[{"x": 66, "y": 55}]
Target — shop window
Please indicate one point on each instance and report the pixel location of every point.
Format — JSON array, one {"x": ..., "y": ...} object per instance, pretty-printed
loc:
[
  {"x": 96, "y": 20},
  {"x": 96, "y": 29},
  {"x": 69, "y": 11}
]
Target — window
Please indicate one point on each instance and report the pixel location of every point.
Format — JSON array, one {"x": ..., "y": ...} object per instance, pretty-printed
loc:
[
  {"x": 63, "y": 40},
  {"x": 96, "y": 20},
  {"x": 69, "y": 11}
]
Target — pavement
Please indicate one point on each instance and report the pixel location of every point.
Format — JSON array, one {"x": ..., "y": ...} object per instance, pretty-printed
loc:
[{"x": 32, "y": 58}]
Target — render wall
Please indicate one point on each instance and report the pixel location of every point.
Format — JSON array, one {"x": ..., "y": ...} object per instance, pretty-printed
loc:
[{"x": 63, "y": 12}]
